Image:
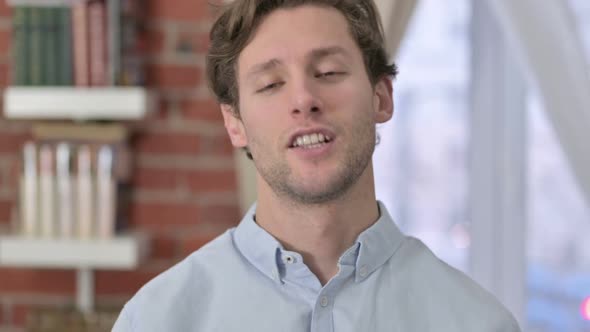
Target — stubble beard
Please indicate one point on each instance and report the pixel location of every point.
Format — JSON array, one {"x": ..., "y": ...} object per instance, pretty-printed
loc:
[{"x": 279, "y": 175}]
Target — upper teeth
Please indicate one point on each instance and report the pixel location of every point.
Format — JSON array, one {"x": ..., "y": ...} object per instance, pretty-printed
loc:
[{"x": 311, "y": 139}]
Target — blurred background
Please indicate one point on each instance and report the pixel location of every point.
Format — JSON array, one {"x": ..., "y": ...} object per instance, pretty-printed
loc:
[{"x": 104, "y": 108}]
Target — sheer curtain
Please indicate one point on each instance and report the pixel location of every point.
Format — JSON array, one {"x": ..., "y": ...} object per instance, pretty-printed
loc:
[{"x": 420, "y": 162}]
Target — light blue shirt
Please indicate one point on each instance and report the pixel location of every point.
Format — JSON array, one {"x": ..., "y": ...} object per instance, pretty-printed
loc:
[{"x": 245, "y": 281}]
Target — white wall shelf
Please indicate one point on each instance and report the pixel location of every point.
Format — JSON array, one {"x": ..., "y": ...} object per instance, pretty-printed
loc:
[
  {"x": 119, "y": 253},
  {"x": 41, "y": 3},
  {"x": 76, "y": 103}
]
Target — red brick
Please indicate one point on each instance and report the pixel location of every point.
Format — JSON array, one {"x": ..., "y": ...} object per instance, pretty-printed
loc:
[
  {"x": 3, "y": 75},
  {"x": 185, "y": 10},
  {"x": 14, "y": 171},
  {"x": 192, "y": 42},
  {"x": 219, "y": 145},
  {"x": 121, "y": 282},
  {"x": 5, "y": 10},
  {"x": 5, "y": 41},
  {"x": 19, "y": 314},
  {"x": 18, "y": 280},
  {"x": 202, "y": 110},
  {"x": 155, "y": 41},
  {"x": 163, "y": 246},
  {"x": 197, "y": 181},
  {"x": 5, "y": 211},
  {"x": 147, "y": 178},
  {"x": 12, "y": 143},
  {"x": 221, "y": 215},
  {"x": 211, "y": 181},
  {"x": 173, "y": 76},
  {"x": 161, "y": 110},
  {"x": 164, "y": 216},
  {"x": 168, "y": 143}
]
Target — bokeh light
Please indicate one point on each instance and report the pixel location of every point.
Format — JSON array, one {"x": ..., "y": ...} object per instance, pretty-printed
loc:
[{"x": 586, "y": 308}]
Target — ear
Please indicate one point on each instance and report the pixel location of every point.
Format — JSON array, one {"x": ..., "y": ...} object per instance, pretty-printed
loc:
[
  {"x": 234, "y": 126},
  {"x": 383, "y": 100}
]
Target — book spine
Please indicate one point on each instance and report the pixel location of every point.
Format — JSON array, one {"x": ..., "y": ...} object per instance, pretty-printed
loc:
[
  {"x": 64, "y": 188},
  {"x": 49, "y": 47},
  {"x": 65, "y": 47},
  {"x": 85, "y": 212},
  {"x": 35, "y": 46},
  {"x": 80, "y": 43},
  {"x": 106, "y": 193},
  {"x": 114, "y": 40},
  {"x": 67, "y": 58},
  {"x": 98, "y": 51},
  {"x": 47, "y": 191},
  {"x": 131, "y": 60},
  {"x": 20, "y": 50},
  {"x": 29, "y": 191}
]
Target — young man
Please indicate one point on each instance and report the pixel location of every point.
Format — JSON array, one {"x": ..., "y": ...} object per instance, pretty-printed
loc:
[{"x": 302, "y": 85}]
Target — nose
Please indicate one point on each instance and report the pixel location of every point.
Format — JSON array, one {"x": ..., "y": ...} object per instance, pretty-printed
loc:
[{"x": 305, "y": 99}]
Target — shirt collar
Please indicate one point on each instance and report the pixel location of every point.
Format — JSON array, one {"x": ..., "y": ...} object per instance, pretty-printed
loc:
[
  {"x": 373, "y": 247},
  {"x": 259, "y": 247},
  {"x": 377, "y": 244}
]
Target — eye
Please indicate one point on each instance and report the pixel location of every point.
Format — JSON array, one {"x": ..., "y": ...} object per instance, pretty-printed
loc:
[
  {"x": 326, "y": 74},
  {"x": 329, "y": 74},
  {"x": 270, "y": 87}
]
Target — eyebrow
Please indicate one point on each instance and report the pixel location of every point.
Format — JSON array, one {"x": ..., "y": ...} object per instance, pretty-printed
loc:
[
  {"x": 323, "y": 52},
  {"x": 314, "y": 55}
]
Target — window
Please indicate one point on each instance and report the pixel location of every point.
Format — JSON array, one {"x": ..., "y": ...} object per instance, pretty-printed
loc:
[
  {"x": 420, "y": 162},
  {"x": 558, "y": 251},
  {"x": 421, "y": 168}
]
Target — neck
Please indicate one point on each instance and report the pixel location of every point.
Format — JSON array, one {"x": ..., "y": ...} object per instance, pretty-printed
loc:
[{"x": 321, "y": 233}]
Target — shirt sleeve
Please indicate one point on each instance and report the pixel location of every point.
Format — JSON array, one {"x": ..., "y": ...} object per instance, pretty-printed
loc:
[
  {"x": 508, "y": 325},
  {"x": 123, "y": 323}
]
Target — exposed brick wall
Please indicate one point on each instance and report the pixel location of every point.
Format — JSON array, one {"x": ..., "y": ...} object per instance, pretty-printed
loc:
[{"x": 183, "y": 183}]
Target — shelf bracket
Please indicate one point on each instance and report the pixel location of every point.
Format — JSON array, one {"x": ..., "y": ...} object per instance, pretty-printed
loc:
[{"x": 85, "y": 289}]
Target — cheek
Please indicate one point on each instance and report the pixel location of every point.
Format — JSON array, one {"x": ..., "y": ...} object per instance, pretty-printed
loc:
[
  {"x": 355, "y": 97},
  {"x": 261, "y": 121},
  {"x": 260, "y": 108}
]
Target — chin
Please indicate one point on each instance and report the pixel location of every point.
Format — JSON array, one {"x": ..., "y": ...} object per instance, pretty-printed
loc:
[{"x": 318, "y": 192}]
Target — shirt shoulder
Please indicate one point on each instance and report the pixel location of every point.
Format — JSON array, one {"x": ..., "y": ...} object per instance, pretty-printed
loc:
[
  {"x": 187, "y": 284},
  {"x": 447, "y": 293}
]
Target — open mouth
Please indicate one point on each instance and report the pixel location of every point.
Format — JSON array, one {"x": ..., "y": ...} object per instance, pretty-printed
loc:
[{"x": 310, "y": 141}]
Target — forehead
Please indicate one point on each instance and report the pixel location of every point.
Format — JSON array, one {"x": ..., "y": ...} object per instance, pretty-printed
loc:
[{"x": 292, "y": 33}]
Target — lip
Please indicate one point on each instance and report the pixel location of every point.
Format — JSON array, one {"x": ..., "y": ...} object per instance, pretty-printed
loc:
[{"x": 308, "y": 131}]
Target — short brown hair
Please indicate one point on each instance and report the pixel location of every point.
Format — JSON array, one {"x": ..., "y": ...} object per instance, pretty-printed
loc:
[{"x": 236, "y": 26}]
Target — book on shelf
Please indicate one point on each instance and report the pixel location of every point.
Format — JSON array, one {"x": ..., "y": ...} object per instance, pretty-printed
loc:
[
  {"x": 80, "y": 43},
  {"x": 70, "y": 188},
  {"x": 97, "y": 31},
  {"x": 65, "y": 75},
  {"x": 114, "y": 40},
  {"x": 49, "y": 48},
  {"x": 35, "y": 40},
  {"x": 89, "y": 43},
  {"x": 20, "y": 45},
  {"x": 41, "y": 38}
]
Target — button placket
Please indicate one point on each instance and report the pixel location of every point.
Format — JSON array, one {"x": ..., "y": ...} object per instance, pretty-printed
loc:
[{"x": 363, "y": 271}]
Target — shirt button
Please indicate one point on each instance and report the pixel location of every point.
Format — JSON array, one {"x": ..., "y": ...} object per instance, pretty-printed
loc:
[
  {"x": 288, "y": 259},
  {"x": 363, "y": 271},
  {"x": 324, "y": 301}
]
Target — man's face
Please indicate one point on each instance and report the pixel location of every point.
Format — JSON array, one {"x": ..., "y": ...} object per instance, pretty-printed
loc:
[{"x": 308, "y": 110}]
